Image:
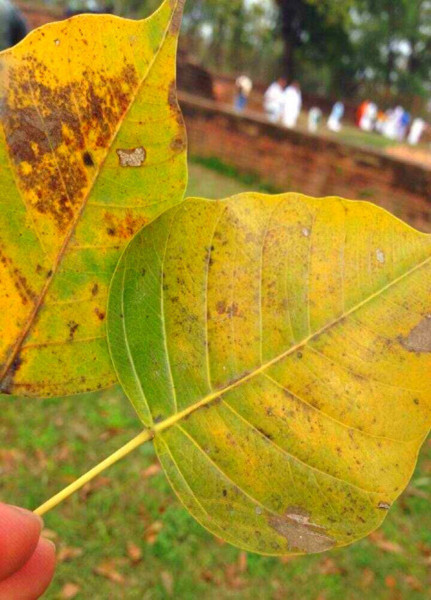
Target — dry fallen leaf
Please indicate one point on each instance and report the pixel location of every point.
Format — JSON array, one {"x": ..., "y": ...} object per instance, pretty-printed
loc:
[
  {"x": 134, "y": 552},
  {"x": 328, "y": 566},
  {"x": 9, "y": 458},
  {"x": 152, "y": 470},
  {"x": 390, "y": 582},
  {"x": 69, "y": 591},
  {"x": 379, "y": 540},
  {"x": 413, "y": 583},
  {"x": 233, "y": 579},
  {"x": 93, "y": 486},
  {"x": 153, "y": 531},
  {"x": 49, "y": 534},
  {"x": 107, "y": 569},
  {"x": 368, "y": 577},
  {"x": 67, "y": 553}
]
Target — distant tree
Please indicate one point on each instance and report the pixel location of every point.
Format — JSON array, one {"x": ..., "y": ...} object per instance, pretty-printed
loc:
[
  {"x": 313, "y": 22},
  {"x": 393, "y": 43},
  {"x": 319, "y": 25}
]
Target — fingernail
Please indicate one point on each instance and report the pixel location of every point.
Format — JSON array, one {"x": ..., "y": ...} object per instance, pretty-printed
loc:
[{"x": 28, "y": 513}]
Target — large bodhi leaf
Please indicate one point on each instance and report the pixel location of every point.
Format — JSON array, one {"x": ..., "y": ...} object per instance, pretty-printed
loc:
[
  {"x": 92, "y": 146},
  {"x": 280, "y": 349}
]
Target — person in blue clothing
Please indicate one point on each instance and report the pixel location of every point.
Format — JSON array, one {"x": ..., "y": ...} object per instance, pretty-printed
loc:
[{"x": 13, "y": 27}]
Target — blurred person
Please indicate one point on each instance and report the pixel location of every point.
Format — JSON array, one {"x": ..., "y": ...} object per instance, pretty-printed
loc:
[
  {"x": 13, "y": 27},
  {"x": 381, "y": 119},
  {"x": 416, "y": 131},
  {"x": 361, "y": 110},
  {"x": 314, "y": 119},
  {"x": 334, "y": 121},
  {"x": 273, "y": 99},
  {"x": 291, "y": 105},
  {"x": 27, "y": 560},
  {"x": 404, "y": 125},
  {"x": 392, "y": 125},
  {"x": 243, "y": 86},
  {"x": 369, "y": 117}
]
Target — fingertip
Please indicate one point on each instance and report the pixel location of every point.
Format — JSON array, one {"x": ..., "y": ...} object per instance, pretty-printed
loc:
[
  {"x": 34, "y": 577},
  {"x": 19, "y": 535}
]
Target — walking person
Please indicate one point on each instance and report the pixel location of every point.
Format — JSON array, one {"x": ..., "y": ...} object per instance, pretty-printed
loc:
[
  {"x": 292, "y": 104},
  {"x": 273, "y": 99}
]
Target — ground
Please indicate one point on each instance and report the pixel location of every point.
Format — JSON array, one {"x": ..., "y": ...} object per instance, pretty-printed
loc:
[{"x": 126, "y": 536}]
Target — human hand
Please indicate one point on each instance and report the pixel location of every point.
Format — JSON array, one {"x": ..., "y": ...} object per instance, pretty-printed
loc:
[{"x": 27, "y": 560}]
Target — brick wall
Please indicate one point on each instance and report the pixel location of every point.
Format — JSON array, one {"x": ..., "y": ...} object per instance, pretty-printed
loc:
[{"x": 311, "y": 164}]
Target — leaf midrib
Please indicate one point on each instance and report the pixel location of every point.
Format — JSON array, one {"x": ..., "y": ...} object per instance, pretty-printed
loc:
[
  {"x": 26, "y": 329},
  {"x": 179, "y": 416}
]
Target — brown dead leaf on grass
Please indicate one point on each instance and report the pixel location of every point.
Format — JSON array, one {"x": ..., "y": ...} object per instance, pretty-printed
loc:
[
  {"x": 368, "y": 577},
  {"x": 134, "y": 552},
  {"x": 242, "y": 562},
  {"x": 108, "y": 570},
  {"x": 67, "y": 553},
  {"x": 328, "y": 566},
  {"x": 150, "y": 471},
  {"x": 9, "y": 459},
  {"x": 110, "y": 433},
  {"x": 152, "y": 532},
  {"x": 390, "y": 582},
  {"x": 94, "y": 486},
  {"x": 69, "y": 591},
  {"x": 233, "y": 579},
  {"x": 378, "y": 539},
  {"x": 413, "y": 583},
  {"x": 50, "y": 534}
]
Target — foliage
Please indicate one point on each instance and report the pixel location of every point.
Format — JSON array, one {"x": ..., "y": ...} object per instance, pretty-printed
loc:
[
  {"x": 270, "y": 344},
  {"x": 266, "y": 394},
  {"x": 393, "y": 43},
  {"x": 78, "y": 161}
]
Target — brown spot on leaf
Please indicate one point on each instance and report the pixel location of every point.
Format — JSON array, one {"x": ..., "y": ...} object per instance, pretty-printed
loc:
[
  {"x": 100, "y": 313},
  {"x": 46, "y": 129},
  {"x": 178, "y": 144},
  {"x": 419, "y": 339},
  {"x": 73, "y": 326},
  {"x": 26, "y": 293},
  {"x": 88, "y": 159},
  {"x": 135, "y": 157},
  {"x": 301, "y": 534},
  {"x": 124, "y": 227}
]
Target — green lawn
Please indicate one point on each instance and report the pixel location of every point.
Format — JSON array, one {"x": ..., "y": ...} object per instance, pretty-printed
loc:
[{"x": 127, "y": 536}]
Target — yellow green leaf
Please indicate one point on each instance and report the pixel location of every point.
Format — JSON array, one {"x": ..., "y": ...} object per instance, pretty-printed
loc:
[
  {"x": 279, "y": 347},
  {"x": 92, "y": 146}
]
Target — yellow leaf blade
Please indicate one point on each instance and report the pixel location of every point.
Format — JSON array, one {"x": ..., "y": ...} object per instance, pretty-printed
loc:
[
  {"x": 92, "y": 146},
  {"x": 280, "y": 348}
]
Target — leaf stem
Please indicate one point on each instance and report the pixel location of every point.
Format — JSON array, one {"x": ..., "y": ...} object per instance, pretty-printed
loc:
[{"x": 140, "y": 439}]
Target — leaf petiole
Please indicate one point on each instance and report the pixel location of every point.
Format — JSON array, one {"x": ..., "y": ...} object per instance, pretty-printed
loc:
[{"x": 140, "y": 439}]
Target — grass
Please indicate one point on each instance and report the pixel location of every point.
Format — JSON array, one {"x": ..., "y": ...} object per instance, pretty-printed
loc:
[{"x": 44, "y": 445}]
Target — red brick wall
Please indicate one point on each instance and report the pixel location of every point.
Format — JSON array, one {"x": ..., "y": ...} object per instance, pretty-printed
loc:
[{"x": 313, "y": 165}]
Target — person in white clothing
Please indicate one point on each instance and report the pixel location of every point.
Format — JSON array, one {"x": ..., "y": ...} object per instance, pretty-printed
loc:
[
  {"x": 334, "y": 121},
  {"x": 292, "y": 103},
  {"x": 416, "y": 132},
  {"x": 273, "y": 99}
]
